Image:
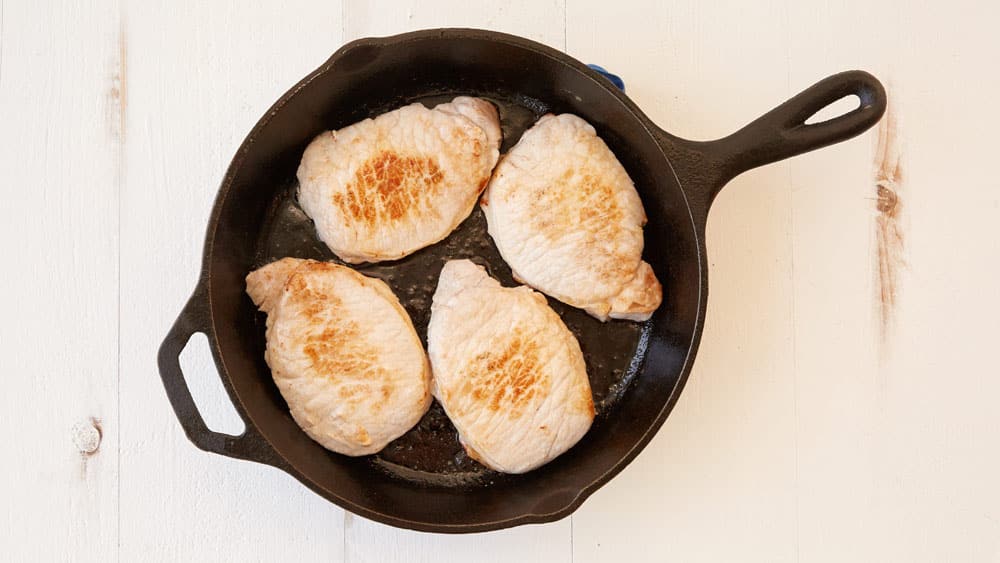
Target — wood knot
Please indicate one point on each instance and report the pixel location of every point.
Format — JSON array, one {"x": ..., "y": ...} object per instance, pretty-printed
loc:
[
  {"x": 887, "y": 202},
  {"x": 87, "y": 436}
]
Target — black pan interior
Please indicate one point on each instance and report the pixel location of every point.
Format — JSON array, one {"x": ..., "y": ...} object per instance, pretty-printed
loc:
[{"x": 424, "y": 478}]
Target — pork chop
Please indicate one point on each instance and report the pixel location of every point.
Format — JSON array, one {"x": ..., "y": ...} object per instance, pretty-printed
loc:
[
  {"x": 343, "y": 353},
  {"x": 567, "y": 219},
  {"x": 507, "y": 371},
  {"x": 383, "y": 188}
]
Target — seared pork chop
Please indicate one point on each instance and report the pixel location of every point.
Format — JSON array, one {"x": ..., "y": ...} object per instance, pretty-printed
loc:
[
  {"x": 343, "y": 353},
  {"x": 383, "y": 188},
  {"x": 507, "y": 371},
  {"x": 567, "y": 219}
]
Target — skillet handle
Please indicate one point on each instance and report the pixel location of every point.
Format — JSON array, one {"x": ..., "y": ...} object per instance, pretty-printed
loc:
[
  {"x": 250, "y": 445},
  {"x": 782, "y": 132}
]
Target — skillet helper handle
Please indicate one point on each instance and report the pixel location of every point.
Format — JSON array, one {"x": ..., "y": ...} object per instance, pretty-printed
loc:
[
  {"x": 250, "y": 445},
  {"x": 783, "y": 132}
]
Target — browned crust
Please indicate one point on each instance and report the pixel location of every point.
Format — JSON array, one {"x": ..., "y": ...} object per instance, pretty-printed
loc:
[
  {"x": 507, "y": 377},
  {"x": 389, "y": 187}
]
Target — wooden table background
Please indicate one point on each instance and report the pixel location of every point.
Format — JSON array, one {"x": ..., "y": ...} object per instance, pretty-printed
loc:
[{"x": 843, "y": 406}]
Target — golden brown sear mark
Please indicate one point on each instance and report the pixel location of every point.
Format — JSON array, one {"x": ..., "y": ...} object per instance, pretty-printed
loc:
[
  {"x": 388, "y": 186},
  {"x": 337, "y": 349},
  {"x": 333, "y": 351},
  {"x": 580, "y": 204},
  {"x": 375, "y": 397},
  {"x": 586, "y": 403},
  {"x": 507, "y": 377},
  {"x": 315, "y": 304},
  {"x": 577, "y": 202},
  {"x": 362, "y": 436}
]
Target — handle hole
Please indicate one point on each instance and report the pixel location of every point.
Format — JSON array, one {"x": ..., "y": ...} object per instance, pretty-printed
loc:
[
  {"x": 834, "y": 109},
  {"x": 206, "y": 388}
]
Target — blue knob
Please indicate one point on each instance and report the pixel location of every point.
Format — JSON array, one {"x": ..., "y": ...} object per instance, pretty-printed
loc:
[{"x": 613, "y": 78}]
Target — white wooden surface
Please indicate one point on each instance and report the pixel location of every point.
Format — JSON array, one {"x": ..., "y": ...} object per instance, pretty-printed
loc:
[{"x": 818, "y": 424}]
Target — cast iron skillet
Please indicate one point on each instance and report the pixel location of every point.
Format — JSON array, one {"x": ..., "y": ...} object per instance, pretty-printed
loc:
[{"x": 423, "y": 480}]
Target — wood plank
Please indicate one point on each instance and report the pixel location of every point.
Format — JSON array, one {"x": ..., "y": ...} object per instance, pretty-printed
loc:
[
  {"x": 542, "y": 21},
  {"x": 718, "y": 481},
  {"x": 200, "y": 75},
  {"x": 838, "y": 373},
  {"x": 366, "y": 540},
  {"x": 898, "y": 430},
  {"x": 60, "y": 163}
]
